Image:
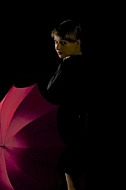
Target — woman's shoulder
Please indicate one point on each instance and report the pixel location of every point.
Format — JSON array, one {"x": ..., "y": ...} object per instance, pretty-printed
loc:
[
  {"x": 79, "y": 57},
  {"x": 75, "y": 61}
]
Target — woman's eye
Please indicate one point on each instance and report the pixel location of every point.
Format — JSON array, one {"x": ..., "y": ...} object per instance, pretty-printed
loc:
[{"x": 63, "y": 43}]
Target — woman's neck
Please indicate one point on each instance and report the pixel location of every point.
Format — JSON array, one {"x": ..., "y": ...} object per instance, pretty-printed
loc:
[{"x": 80, "y": 53}]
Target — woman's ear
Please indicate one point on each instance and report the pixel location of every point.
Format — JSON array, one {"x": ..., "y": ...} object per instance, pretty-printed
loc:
[{"x": 78, "y": 42}]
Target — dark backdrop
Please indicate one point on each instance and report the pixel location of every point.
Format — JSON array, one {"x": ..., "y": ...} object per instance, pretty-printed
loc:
[
  {"x": 27, "y": 52},
  {"x": 27, "y": 49}
]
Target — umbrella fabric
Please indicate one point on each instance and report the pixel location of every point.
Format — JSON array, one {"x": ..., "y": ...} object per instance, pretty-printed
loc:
[{"x": 30, "y": 146}]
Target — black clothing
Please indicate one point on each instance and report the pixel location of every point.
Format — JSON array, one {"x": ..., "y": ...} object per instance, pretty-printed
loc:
[{"x": 70, "y": 90}]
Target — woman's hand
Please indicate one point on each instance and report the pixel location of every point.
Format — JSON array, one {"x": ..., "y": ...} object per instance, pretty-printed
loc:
[{"x": 69, "y": 181}]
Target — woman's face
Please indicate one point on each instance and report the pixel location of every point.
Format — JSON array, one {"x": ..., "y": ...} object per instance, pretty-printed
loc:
[{"x": 65, "y": 48}]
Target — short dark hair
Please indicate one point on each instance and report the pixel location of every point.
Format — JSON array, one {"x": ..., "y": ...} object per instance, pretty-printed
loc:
[{"x": 69, "y": 30}]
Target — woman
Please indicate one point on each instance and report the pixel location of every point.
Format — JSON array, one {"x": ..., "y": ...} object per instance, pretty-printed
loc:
[{"x": 69, "y": 88}]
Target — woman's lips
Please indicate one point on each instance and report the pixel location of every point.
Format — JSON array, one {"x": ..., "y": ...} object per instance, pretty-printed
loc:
[{"x": 59, "y": 53}]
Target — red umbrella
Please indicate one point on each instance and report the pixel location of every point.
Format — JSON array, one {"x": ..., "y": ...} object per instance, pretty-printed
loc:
[{"x": 30, "y": 146}]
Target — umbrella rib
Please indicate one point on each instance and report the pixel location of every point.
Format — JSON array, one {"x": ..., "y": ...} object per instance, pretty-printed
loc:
[{"x": 29, "y": 123}]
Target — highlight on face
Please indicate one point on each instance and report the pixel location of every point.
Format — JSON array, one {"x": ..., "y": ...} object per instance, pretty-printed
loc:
[{"x": 65, "y": 48}]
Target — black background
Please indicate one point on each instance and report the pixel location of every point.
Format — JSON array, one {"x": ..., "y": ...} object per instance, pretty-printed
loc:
[{"x": 27, "y": 52}]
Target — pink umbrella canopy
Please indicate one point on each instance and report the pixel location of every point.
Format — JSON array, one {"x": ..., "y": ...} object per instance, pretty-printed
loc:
[{"x": 30, "y": 146}]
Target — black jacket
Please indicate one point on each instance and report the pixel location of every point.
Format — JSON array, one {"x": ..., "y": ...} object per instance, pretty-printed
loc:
[{"x": 71, "y": 91}]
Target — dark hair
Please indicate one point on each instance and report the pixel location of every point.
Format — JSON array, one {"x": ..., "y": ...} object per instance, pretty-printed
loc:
[{"x": 69, "y": 30}]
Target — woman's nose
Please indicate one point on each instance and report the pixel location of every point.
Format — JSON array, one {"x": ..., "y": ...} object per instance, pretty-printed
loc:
[{"x": 58, "y": 46}]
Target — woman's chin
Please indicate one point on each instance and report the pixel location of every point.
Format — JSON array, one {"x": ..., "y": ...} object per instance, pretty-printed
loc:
[{"x": 60, "y": 56}]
